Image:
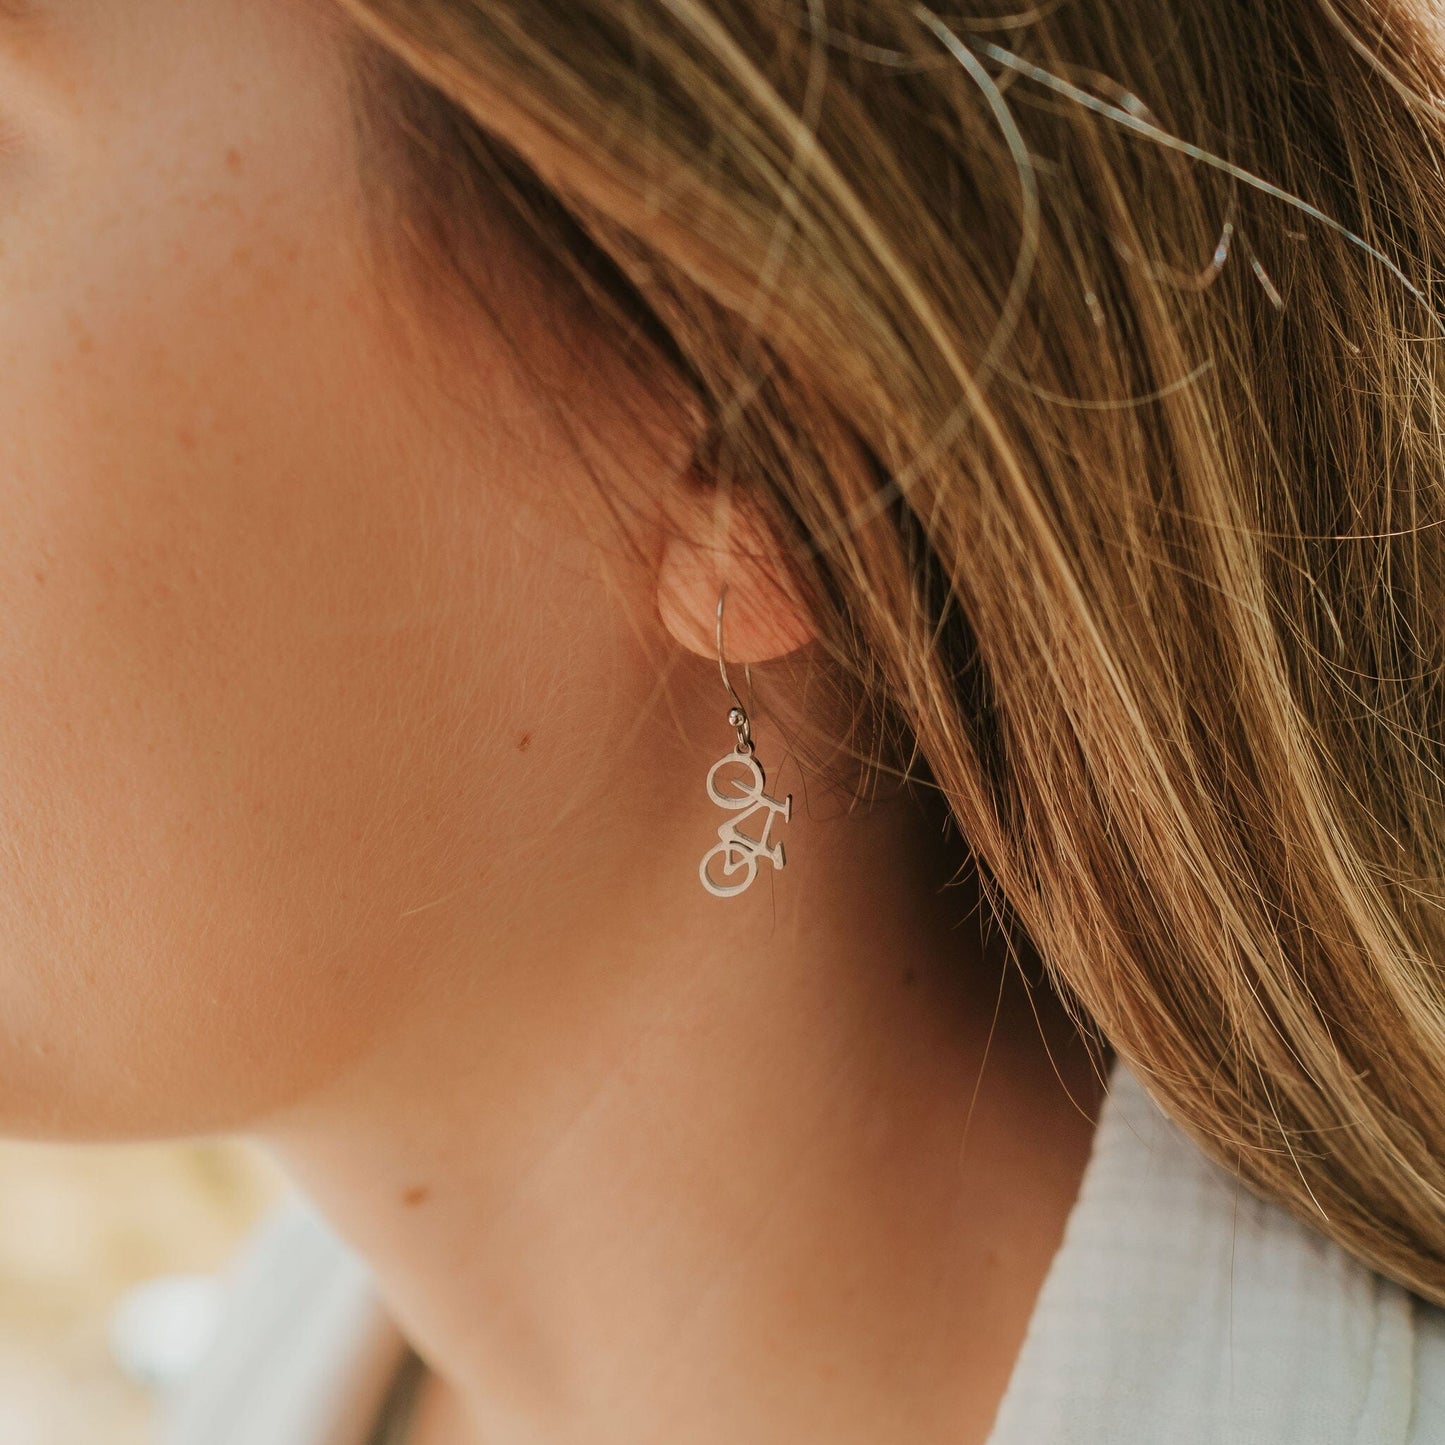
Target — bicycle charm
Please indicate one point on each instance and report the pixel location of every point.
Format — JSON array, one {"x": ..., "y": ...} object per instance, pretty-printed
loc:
[{"x": 737, "y": 851}]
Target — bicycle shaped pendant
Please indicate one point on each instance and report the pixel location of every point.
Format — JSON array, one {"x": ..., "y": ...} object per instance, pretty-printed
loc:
[{"x": 738, "y": 852}]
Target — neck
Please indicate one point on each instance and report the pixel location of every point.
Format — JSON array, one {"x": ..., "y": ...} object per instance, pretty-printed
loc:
[{"x": 747, "y": 1178}]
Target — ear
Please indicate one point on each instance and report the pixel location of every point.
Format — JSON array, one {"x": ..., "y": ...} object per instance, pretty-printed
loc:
[{"x": 727, "y": 542}]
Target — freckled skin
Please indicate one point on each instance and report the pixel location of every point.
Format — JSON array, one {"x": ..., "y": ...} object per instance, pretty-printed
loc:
[
  {"x": 269, "y": 594},
  {"x": 352, "y": 799}
]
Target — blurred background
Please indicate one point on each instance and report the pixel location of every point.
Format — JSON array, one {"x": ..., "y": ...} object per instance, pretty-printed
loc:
[{"x": 109, "y": 1256}]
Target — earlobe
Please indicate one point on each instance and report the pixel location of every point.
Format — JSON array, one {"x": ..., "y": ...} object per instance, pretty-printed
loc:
[{"x": 763, "y": 620}]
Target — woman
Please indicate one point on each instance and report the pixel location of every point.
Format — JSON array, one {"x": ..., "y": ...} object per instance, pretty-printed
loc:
[{"x": 760, "y": 680}]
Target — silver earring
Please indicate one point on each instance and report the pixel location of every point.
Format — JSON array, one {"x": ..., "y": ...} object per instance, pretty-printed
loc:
[{"x": 737, "y": 852}]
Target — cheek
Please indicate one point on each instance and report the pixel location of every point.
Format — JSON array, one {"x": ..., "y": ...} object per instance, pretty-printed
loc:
[
  {"x": 238, "y": 639},
  {"x": 161, "y": 765}
]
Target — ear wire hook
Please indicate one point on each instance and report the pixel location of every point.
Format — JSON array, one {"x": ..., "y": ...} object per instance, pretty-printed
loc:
[{"x": 738, "y": 714}]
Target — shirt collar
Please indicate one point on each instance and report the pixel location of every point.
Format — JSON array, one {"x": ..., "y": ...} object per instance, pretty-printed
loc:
[{"x": 1181, "y": 1307}]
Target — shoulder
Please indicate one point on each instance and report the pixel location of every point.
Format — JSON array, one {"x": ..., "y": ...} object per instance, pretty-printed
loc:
[
  {"x": 305, "y": 1349},
  {"x": 1182, "y": 1306}
]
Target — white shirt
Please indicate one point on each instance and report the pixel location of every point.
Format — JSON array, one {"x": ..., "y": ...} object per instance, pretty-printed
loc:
[{"x": 1178, "y": 1309}]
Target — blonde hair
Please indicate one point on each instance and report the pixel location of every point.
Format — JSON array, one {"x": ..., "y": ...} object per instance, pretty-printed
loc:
[{"x": 1088, "y": 360}]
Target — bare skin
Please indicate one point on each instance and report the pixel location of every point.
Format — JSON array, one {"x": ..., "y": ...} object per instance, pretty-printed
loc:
[
  {"x": 742, "y": 1187},
  {"x": 351, "y": 783}
]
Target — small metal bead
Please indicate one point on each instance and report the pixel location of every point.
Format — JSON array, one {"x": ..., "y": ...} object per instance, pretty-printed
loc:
[{"x": 737, "y": 717}]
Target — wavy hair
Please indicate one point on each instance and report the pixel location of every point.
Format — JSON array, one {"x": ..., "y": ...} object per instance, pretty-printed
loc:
[{"x": 1087, "y": 364}]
